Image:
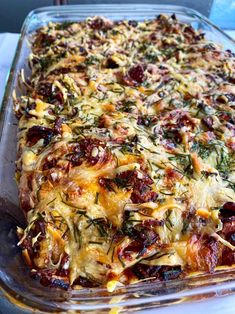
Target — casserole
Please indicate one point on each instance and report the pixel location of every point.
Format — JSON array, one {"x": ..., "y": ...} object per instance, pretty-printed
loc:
[{"x": 122, "y": 14}]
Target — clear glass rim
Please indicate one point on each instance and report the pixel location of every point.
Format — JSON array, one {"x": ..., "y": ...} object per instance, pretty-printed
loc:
[
  {"x": 89, "y": 302},
  {"x": 86, "y": 296},
  {"x": 85, "y": 8}
]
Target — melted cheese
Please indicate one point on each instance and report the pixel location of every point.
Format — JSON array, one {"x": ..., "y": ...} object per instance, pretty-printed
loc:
[{"x": 132, "y": 150}]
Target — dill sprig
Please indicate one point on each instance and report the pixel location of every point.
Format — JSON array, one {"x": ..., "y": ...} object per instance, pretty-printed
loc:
[
  {"x": 77, "y": 235},
  {"x": 168, "y": 222},
  {"x": 99, "y": 223},
  {"x": 225, "y": 163},
  {"x": 96, "y": 197},
  {"x": 184, "y": 162}
]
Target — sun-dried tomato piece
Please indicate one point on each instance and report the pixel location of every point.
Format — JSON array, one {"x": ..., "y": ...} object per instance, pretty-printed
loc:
[
  {"x": 173, "y": 124},
  {"x": 172, "y": 176},
  {"x": 142, "y": 236},
  {"x": 94, "y": 150},
  {"x": 227, "y": 214},
  {"x": 57, "y": 125},
  {"x": 37, "y": 133},
  {"x": 162, "y": 273},
  {"x": 132, "y": 176},
  {"x": 39, "y": 227},
  {"x": 185, "y": 120},
  {"x": 44, "y": 89},
  {"x": 228, "y": 226},
  {"x": 228, "y": 256},
  {"x": 49, "y": 163},
  {"x": 103, "y": 182},
  {"x": 89, "y": 150},
  {"x": 50, "y": 278},
  {"x": 76, "y": 155},
  {"x": 142, "y": 193},
  {"x": 135, "y": 75},
  {"x": 101, "y": 24},
  {"x": 229, "y": 206},
  {"x": 202, "y": 253},
  {"x": 177, "y": 119},
  {"x": 139, "y": 182},
  {"x": 43, "y": 40},
  {"x": 208, "y": 122},
  {"x": 190, "y": 34},
  {"x": 58, "y": 98},
  {"x": 37, "y": 230},
  {"x": 142, "y": 232},
  {"x": 86, "y": 283},
  {"x": 133, "y": 23}
]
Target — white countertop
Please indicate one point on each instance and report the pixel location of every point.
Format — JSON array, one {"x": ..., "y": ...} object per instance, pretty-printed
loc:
[{"x": 221, "y": 305}]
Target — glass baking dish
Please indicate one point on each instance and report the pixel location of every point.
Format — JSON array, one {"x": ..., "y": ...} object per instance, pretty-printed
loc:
[{"x": 15, "y": 281}]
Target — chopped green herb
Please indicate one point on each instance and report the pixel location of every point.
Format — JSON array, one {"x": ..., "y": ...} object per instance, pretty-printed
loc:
[
  {"x": 77, "y": 236},
  {"x": 96, "y": 197},
  {"x": 168, "y": 221}
]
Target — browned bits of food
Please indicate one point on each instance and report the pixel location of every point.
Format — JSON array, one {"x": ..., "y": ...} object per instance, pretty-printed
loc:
[
  {"x": 208, "y": 122},
  {"x": 202, "y": 253},
  {"x": 142, "y": 236},
  {"x": 138, "y": 182},
  {"x": 51, "y": 278},
  {"x": 99, "y": 23},
  {"x": 142, "y": 192},
  {"x": 126, "y": 153},
  {"x": 135, "y": 75},
  {"x": 162, "y": 273},
  {"x": 90, "y": 150},
  {"x": 85, "y": 282},
  {"x": 111, "y": 64},
  {"x": 230, "y": 206},
  {"x": 133, "y": 23},
  {"x": 228, "y": 232},
  {"x": 37, "y": 133}
]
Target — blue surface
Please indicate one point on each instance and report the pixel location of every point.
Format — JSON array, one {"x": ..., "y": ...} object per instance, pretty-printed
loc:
[{"x": 223, "y": 13}]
